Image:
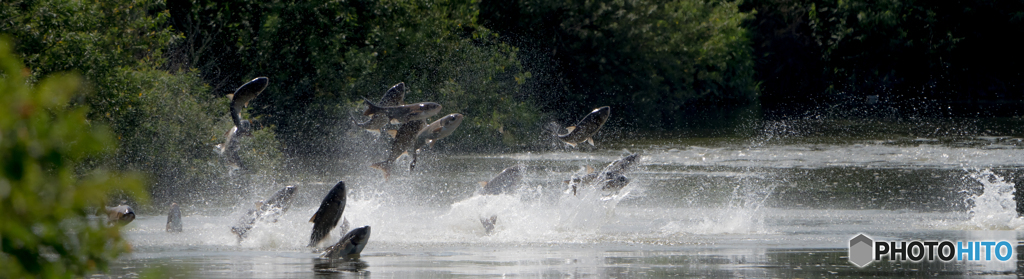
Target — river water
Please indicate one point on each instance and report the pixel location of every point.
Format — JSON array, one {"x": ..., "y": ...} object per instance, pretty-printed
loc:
[{"x": 697, "y": 207}]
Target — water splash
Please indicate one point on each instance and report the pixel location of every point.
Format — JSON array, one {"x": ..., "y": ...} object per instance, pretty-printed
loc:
[
  {"x": 743, "y": 214},
  {"x": 994, "y": 208}
]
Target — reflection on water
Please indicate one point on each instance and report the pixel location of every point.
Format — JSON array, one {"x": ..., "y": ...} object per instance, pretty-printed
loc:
[{"x": 751, "y": 211}]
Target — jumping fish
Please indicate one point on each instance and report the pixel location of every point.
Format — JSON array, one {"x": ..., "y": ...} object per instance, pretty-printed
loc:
[
  {"x": 610, "y": 178},
  {"x": 392, "y": 97},
  {"x": 121, "y": 214},
  {"x": 403, "y": 114},
  {"x": 432, "y": 133},
  {"x": 239, "y": 100},
  {"x": 586, "y": 128},
  {"x": 174, "y": 219},
  {"x": 489, "y": 223},
  {"x": 327, "y": 216},
  {"x": 504, "y": 182},
  {"x": 350, "y": 246},
  {"x": 229, "y": 149},
  {"x": 264, "y": 210},
  {"x": 404, "y": 139}
]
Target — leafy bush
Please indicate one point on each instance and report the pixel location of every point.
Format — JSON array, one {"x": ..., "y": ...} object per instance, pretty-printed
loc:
[
  {"x": 167, "y": 122},
  {"x": 323, "y": 56},
  {"x": 909, "y": 53},
  {"x": 647, "y": 59},
  {"x": 45, "y": 204}
]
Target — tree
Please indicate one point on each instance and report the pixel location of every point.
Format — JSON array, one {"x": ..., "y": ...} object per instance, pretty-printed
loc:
[{"x": 45, "y": 198}]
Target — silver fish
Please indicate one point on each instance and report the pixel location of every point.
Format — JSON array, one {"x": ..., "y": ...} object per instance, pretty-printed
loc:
[
  {"x": 403, "y": 114},
  {"x": 240, "y": 99},
  {"x": 504, "y": 182},
  {"x": 350, "y": 246},
  {"x": 264, "y": 210},
  {"x": 395, "y": 96},
  {"x": 405, "y": 137},
  {"x": 489, "y": 223},
  {"x": 229, "y": 149},
  {"x": 121, "y": 215},
  {"x": 610, "y": 178},
  {"x": 327, "y": 216},
  {"x": 432, "y": 133},
  {"x": 174, "y": 219},
  {"x": 586, "y": 128}
]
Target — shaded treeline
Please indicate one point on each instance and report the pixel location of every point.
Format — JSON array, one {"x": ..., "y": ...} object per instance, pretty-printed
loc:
[
  {"x": 924, "y": 57},
  {"x": 657, "y": 63},
  {"x": 323, "y": 56},
  {"x": 157, "y": 72}
]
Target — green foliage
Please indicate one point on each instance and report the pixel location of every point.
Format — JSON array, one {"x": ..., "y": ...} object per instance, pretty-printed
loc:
[
  {"x": 44, "y": 203},
  {"x": 880, "y": 44},
  {"x": 907, "y": 52},
  {"x": 646, "y": 59},
  {"x": 167, "y": 123},
  {"x": 323, "y": 56}
]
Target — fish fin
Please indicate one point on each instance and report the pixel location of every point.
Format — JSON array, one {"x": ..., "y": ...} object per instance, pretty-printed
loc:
[
  {"x": 571, "y": 144},
  {"x": 371, "y": 109},
  {"x": 246, "y": 104},
  {"x": 392, "y": 133},
  {"x": 590, "y": 169},
  {"x": 438, "y": 130},
  {"x": 483, "y": 183},
  {"x": 375, "y": 132},
  {"x": 570, "y": 129},
  {"x": 395, "y": 121},
  {"x": 314, "y": 217},
  {"x": 382, "y": 166},
  {"x": 501, "y": 129},
  {"x": 567, "y": 181},
  {"x": 219, "y": 149},
  {"x": 406, "y": 153},
  {"x": 591, "y": 141},
  {"x": 573, "y": 189},
  {"x": 230, "y": 96},
  {"x": 430, "y": 143}
]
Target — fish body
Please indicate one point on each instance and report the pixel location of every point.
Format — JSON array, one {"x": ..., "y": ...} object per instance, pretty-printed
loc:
[
  {"x": 121, "y": 215},
  {"x": 327, "y": 216},
  {"x": 586, "y": 128},
  {"x": 622, "y": 165},
  {"x": 504, "y": 182},
  {"x": 229, "y": 149},
  {"x": 611, "y": 178},
  {"x": 240, "y": 99},
  {"x": 432, "y": 133},
  {"x": 395, "y": 96},
  {"x": 264, "y": 210},
  {"x": 489, "y": 223},
  {"x": 404, "y": 140},
  {"x": 350, "y": 245},
  {"x": 174, "y": 219},
  {"x": 404, "y": 113}
]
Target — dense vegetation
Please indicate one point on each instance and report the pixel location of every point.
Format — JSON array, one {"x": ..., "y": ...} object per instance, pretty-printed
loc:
[
  {"x": 156, "y": 72},
  {"x": 46, "y": 198},
  {"x": 654, "y": 62},
  {"x": 914, "y": 55}
]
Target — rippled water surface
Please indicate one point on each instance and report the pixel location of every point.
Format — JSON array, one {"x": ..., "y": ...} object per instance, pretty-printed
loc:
[{"x": 691, "y": 209}]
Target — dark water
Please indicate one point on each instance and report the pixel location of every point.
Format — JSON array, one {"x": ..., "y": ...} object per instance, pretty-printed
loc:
[{"x": 703, "y": 207}]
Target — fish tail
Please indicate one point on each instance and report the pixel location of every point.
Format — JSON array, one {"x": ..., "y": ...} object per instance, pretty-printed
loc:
[
  {"x": 384, "y": 166},
  {"x": 371, "y": 108},
  {"x": 554, "y": 128}
]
